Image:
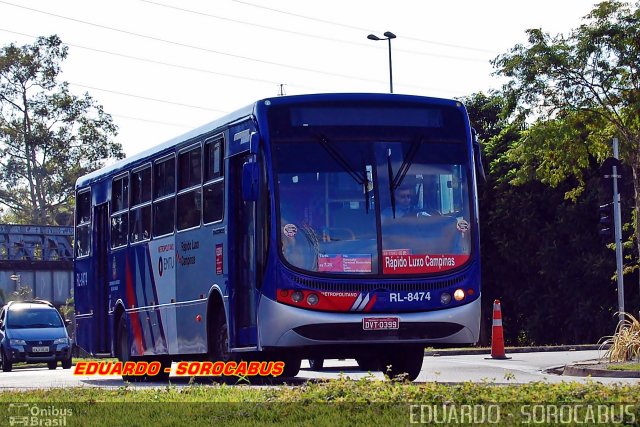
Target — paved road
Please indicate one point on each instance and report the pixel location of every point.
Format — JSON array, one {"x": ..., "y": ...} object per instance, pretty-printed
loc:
[{"x": 520, "y": 368}]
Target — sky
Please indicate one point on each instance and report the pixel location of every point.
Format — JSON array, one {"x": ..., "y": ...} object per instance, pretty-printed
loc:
[{"x": 164, "y": 67}]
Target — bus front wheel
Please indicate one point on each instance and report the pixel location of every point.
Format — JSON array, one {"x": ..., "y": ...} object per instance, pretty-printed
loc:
[{"x": 404, "y": 364}]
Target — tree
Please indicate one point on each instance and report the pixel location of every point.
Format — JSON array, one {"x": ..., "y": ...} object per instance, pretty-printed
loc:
[
  {"x": 541, "y": 255},
  {"x": 581, "y": 90},
  {"x": 48, "y": 136}
]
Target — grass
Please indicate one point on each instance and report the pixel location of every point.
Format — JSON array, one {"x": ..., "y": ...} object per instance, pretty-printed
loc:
[
  {"x": 336, "y": 402},
  {"x": 624, "y": 367}
]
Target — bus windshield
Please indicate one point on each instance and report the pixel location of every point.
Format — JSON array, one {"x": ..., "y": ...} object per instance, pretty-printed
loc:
[{"x": 350, "y": 204}]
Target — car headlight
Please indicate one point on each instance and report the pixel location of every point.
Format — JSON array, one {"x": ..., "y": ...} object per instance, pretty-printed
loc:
[
  {"x": 13, "y": 342},
  {"x": 61, "y": 341}
]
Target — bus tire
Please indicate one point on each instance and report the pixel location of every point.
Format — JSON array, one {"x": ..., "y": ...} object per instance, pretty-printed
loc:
[
  {"x": 405, "y": 364},
  {"x": 316, "y": 364},
  {"x": 291, "y": 366},
  {"x": 124, "y": 354},
  {"x": 221, "y": 351},
  {"x": 368, "y": 363}
]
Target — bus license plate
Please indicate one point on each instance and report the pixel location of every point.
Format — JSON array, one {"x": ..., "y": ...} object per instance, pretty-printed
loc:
[
  {"x": 380, "y": 323},
  {"x": 40, "y": 349}
]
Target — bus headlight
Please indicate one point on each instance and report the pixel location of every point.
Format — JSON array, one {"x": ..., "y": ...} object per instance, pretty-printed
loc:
[
  {"x": 312, "y": 299},
  {"x": 458, "y": 295},
  {"x": 445, "y": 298},
  {"x": 296, "y": 296}
]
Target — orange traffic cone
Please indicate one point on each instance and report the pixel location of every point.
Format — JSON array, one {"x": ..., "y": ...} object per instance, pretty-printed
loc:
[{"x": 497, "y": 337}]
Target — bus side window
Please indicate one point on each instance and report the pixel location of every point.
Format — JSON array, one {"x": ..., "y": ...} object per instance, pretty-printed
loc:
[
  {"x": 190, "y": 193},
  {"x": 83, "y": 224},
  {"x": 213, "y": 190},
  {"x": 164, "y": 201},
  {"x": 119, "y": 212},
  {"x": 140, "y": 214}
]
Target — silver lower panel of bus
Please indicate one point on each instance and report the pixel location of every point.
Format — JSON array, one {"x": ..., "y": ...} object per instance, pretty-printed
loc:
[{"x": 280, "y": 325}]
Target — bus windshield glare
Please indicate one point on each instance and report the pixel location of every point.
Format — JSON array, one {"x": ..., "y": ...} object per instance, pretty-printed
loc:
[{"x": 375, "y": 200}]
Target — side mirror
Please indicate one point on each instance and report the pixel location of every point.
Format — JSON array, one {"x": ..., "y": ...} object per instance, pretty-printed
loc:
[
  {"x": 477, "y": 157},
  {"x": 250, "y": 181}
]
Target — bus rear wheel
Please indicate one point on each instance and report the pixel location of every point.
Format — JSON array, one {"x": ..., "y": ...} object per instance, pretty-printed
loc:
[
  {"x": 220, "y": 349},
  {"x": 124, "y": 352}
]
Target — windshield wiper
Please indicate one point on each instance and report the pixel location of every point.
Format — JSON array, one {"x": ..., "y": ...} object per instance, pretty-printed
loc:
[
  {"x": 359, "y": 177},
  {"x": 396, "y": 181}
]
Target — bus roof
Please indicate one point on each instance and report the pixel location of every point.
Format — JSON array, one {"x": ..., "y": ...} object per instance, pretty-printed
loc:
[{"x": 243, "y": 113}]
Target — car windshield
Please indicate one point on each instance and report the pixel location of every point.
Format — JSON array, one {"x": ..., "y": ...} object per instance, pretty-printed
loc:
[{"x": 33, "y": 318}]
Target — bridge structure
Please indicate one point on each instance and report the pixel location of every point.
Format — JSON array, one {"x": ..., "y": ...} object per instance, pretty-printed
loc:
[{"x": 37, "y": 257}]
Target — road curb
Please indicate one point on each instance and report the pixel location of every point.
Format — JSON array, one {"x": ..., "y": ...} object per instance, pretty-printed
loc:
[
  {"x": 591, "y": 369},
  {"x": 487, "y": 350}
]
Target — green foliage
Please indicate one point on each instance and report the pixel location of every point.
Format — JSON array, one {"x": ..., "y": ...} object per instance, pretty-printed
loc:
[
  {"x": 21, "y": 293},
  {"x": 48, "y": 136},
  {"x": 578, "y": 91},
  {"x": 331, "y": 403},
  {"x": 541, "y": 254}
]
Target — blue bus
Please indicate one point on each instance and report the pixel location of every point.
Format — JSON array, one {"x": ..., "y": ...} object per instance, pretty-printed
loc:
[{"x": 300, "y": 227}]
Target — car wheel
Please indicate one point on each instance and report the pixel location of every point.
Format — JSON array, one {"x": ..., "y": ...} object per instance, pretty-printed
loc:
[
  {"x": 6, "y": 365},
  {"x": 52, "y": 365},
  {"x": 66, "y": 363}
]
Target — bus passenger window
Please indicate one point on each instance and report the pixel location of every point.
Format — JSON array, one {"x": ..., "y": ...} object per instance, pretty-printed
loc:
[
  {"x": 119, "y": 219},
  {"x": 213, "y": 202},
  {"x": 83, "y": 224},
  {"x": 213, "y": 159},
  {"x": 163, "y": 216},
  {"x": 141, "y": 186},
  {"x": 119, "y": 231},
  {"x": 164, "y": 178},
  {"x": 140, "y": 223},
  {"x": 189, "y": 212},
  {"x": 189, "y": 169},
  {"x": 120, "y": 194}
]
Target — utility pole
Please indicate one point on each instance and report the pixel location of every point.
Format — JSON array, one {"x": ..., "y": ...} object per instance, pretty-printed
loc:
[{"x": 617, "y": 220}]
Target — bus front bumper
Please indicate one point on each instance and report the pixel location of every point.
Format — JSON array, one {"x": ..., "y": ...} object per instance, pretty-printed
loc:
[{"x": 281, "y": 325}]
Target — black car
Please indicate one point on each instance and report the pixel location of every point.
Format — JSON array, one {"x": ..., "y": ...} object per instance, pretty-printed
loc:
[{"x": 33, "y": 332}]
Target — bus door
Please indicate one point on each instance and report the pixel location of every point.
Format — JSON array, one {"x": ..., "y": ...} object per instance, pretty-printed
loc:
[
  {"x": 100, "y": 297},
  {"x": 242, "y": 219}
]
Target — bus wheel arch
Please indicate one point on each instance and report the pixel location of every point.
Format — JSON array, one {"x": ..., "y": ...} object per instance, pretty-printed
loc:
[{"x": 217, "y": 330}]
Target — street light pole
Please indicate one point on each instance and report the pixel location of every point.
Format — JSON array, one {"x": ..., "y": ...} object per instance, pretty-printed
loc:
[{"x": 388, "y": 36}]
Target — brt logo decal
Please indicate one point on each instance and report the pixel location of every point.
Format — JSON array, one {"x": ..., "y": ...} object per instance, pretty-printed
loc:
[{"x": 165, "y": 263}]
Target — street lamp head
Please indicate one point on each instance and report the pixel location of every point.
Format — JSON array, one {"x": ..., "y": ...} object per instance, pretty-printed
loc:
[
  {"x": 373, "y": 37},
  {"x": 389, "y": 35}
]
